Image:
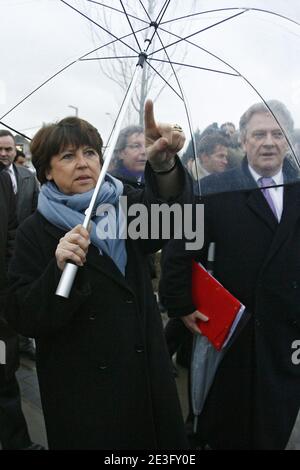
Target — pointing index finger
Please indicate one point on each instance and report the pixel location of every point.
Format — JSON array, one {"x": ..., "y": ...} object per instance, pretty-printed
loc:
[{"x": 149, "y": 116}]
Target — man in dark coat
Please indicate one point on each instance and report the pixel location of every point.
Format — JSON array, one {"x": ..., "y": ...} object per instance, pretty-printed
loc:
[
  {"x": 26, "y": 188},
  {"x": 13, "y": 429},
  {"x": 255, "y": 398}
]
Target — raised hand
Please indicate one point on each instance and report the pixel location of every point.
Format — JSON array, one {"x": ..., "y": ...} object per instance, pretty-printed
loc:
[{"x": 163, "y": 141}]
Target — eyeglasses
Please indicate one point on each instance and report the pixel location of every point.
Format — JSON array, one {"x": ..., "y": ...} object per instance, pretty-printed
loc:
[{"x": 135, "y": 146}]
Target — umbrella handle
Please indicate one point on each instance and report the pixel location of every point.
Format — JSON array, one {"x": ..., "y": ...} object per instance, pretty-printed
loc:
[{"x": 66, "y": 280}]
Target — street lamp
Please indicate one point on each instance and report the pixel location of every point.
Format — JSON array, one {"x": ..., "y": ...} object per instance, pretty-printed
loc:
[{"x": 75, "y": 108}]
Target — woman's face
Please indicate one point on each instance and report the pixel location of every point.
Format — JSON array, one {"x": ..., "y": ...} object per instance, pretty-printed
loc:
[{"x": 75, "y": 170}]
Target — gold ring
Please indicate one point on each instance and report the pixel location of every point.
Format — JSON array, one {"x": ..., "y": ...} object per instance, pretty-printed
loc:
[{"x": 177, "y": 128}]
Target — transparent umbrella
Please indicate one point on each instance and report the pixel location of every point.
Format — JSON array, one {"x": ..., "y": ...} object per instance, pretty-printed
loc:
[{"x": 201, "y": 62}]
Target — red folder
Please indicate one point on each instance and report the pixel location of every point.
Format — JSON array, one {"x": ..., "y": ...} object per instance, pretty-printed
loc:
[{"x": 212, "y": 299}]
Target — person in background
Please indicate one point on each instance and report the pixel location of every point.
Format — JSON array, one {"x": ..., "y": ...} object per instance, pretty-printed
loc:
[
  {"x": 212, "y": 152},
  {"x": 228, "y": 128},
  {"x": 235, "y": 151},
  {"x": 13, "y": 428},
  {"x": 128, "y": 166},
  {"x": 20, "y": 158},
  {"x": 130, "y": 156},
  {"x": 26, "y": 189}
]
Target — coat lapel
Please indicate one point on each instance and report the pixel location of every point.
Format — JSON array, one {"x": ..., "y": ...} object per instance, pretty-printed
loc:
[
  {"x": 290, "y": 215},
  {"x": 259, "y": 205}
]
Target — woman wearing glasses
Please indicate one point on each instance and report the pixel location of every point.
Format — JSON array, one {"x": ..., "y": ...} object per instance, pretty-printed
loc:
[{"x": 130, "y": 158}]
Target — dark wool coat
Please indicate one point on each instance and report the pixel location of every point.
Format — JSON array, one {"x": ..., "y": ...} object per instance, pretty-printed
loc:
[
  {"x": 28, "y": 191},
  {"x": 255, "y": 397},
  {"x": 8, "y": 223},
  {"x": 104, "y": 371}
]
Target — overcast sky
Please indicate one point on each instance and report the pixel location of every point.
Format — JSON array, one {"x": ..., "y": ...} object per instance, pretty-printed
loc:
[{"x": 39, "y": 37}]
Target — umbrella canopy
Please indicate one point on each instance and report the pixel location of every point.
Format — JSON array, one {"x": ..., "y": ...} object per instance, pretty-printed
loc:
[{"x": 204, "y": 63}]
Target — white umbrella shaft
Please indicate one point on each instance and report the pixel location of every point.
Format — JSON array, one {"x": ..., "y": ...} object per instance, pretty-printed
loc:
[{"x": 70, "y": 270}]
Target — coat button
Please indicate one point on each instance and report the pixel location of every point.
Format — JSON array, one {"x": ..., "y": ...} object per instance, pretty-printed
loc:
[
  {"x": 102, "y": 366},
  {"x": 92, "y": 316},
  {"x": 139, "y": 349},
  {"x": 129, "y": 301},
  {"x": 295, "y": 285}
]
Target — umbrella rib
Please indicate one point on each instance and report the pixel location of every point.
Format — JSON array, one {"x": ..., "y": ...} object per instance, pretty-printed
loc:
[
  {"x": 197, "y": 32},
  {"x": 62, "y": 70},
  {"x": 109, "y": 57},
  {"x": 206, "y": 51},
  {"x": 233, "y": 8},
  {"x": 251, "y": 86},
  {"x": 162, "y": 11},
  {"x": 97, "y": 24},
  {"x": 151, "y": 24},
  {"x": 132, "y": 30},
  {"x": 196, "y": 67},
  {"x": 117, "y": 10},
  {"x": 14, "y": 130},
  {"x": 147, "y": 14},
  {"x": 185, "y": 106},
  {"x": 167, "y": 83}
]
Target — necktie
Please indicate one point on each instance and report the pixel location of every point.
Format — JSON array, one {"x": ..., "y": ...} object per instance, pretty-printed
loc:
[
  {"x": 267, "y": 181},
  {"x": 10, "y": 171}
]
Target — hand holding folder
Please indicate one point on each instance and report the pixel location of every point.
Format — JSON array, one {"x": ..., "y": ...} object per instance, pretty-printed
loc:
[{"x": 222, "y": 308}]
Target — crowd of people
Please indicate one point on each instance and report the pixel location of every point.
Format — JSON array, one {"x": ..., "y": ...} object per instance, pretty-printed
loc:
[{"x": 109, "y": 330}]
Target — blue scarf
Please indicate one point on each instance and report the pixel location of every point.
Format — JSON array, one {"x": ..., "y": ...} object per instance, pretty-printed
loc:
[
  {"x": 134, "y": 175},
  {"x": 65, "y": 211}
]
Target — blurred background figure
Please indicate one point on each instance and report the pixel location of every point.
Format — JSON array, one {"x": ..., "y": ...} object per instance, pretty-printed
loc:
[
  {"x": 129, "y": 165},
  {"x": 212, "y": 153},
  {"x": 20, "y": 158},
  {"x": 13, "y": 428},
  {"x": 235, "y": 151},
  {"x": 26, "y": 189},
  {"x": 228, "y": 128},
  {"x": 130, "y": 159}
]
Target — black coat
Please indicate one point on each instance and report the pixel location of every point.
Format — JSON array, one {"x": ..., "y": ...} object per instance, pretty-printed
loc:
[
  {"x": 8, "y": 223},
  {"x": 255, "y": 397},
  {"x": 28, "y": 191},
  {"x": 104, "y": 371}
]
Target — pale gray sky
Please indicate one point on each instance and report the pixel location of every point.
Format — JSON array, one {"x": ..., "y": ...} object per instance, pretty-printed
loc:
[{"x": 39, "y": 37}]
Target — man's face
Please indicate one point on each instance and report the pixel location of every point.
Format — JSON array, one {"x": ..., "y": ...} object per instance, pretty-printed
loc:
[
  {"x": 264, "y": 144},
  {"x": 217, "y": 161},
  {"x": 133, "y": 155},
  {"x": 7, "y": 150}
]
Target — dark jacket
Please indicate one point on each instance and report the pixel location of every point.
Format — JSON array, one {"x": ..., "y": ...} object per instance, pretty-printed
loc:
[
  {"x": 255, "y": 397},
  {"x": 135, "y": 183},
  {"x": 28, "y": 191},
  {"x": 104, "y": 371},
  {"x": 128, "y": 177},
  {"x": 8, "y": 223}
]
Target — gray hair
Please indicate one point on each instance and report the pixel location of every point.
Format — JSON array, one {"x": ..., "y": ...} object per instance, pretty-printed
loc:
[{"x": 279, "y": 109}]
